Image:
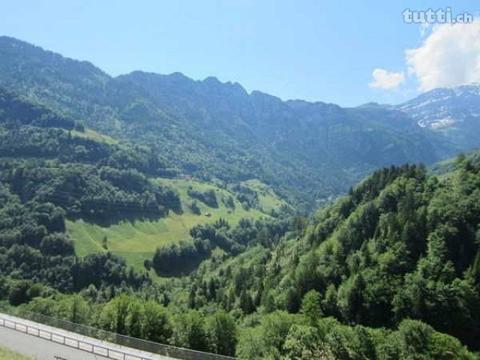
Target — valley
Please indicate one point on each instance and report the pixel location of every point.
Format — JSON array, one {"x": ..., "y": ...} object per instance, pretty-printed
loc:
[{"x": 196, "y": 214}]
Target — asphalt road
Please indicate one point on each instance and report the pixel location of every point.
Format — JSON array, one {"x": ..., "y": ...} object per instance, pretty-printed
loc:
[
  {"x": 41, "y": 349},
  {"x": 37, "y": 344}
]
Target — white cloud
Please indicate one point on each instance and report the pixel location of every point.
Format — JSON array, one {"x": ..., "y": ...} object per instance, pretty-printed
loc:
[
  {"x": 449, "y": 56},
  {"x": 385, "y": 79}
]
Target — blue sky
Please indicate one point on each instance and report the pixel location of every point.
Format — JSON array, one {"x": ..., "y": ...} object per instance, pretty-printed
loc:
[{"x": 313, "y": 50}]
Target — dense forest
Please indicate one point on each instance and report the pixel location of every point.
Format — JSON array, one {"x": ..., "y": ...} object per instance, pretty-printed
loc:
[
  {"x": 402, "y": 245},
  {"x": 43, "y": 161}
]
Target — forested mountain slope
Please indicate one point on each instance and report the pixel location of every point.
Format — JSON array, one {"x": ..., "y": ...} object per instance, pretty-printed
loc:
[
  {"x": 50, "y": 172},
  {"x": 401, "y": 245},
  {"x": 104, "y": 195},
  {"x": 306, "y": 151},
  {"x": 390, "y": 271}
]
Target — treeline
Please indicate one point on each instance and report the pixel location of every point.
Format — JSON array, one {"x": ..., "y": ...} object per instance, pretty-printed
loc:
[
  {"x": 97, "y": 194},
  {"x": 276, "y": 335},
  {"x": 183, "y": 257},
  {"x": 34, "y": 249},
  {"x": 148, "y": 319},
  {"x": 66, "y": 147},
  {"x": 310, "y": 335},
  {"x": 208, "y": 197},
  {"x": 247, "y": 197}
]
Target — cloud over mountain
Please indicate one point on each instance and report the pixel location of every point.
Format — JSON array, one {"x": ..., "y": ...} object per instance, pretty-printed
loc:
[
  {"x": 384, "y": 79},
  {"x": 448, "y": 57}
]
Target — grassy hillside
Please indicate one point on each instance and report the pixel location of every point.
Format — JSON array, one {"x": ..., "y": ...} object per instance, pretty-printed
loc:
[
  {"x": 115, "y": 197},
  {"x": 137, "y": 240},
  {"x": 94, "y": 136}
]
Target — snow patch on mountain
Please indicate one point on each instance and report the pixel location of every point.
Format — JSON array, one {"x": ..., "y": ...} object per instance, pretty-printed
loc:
[{"x": 441, "y": 109}]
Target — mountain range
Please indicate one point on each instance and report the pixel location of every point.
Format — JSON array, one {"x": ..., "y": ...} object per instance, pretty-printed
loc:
[{"x": 307, "y": 151}]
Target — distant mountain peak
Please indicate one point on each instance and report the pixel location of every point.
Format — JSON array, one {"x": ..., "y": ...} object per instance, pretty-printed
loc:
[
  {"x": 212, "y": 79},
  {"x": 453, "y": 112}
]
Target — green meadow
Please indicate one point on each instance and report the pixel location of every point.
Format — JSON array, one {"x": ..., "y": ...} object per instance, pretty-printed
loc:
[
  {"x": 95, "y": 136},
  {"x": 137, "y": 241}
]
